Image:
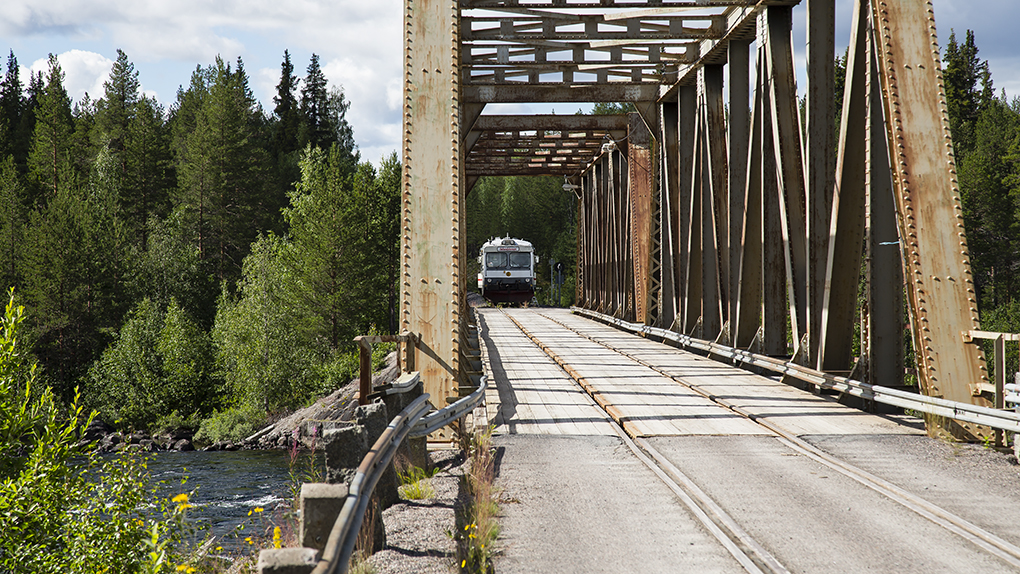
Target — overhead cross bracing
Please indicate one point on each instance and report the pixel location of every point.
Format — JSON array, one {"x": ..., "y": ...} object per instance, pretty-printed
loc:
[
  {"x": 539, "y": 145},
  {"x": 757, "y": 226}
]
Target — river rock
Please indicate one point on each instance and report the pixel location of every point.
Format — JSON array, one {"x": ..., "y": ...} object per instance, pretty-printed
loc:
[
  {"x": 344, "y": 448},
  {"x": 96, "y": 430},
  {"x": 183, "y": 445}
]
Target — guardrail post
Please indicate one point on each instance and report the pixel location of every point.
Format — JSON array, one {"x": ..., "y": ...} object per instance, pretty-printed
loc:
[
  {"x": 365, "y": 356},
  {"x": 410, "y": 348},
  {"x": 1000, "y": 380}
]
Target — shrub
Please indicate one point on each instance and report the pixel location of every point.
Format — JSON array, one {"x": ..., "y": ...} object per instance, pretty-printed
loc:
[
  {"x": 232, "y": 424},
  {"x": 62, "y": 508}
]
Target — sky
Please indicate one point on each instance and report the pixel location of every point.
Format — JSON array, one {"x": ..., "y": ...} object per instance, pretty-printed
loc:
[{"x": 359, "y": 45}]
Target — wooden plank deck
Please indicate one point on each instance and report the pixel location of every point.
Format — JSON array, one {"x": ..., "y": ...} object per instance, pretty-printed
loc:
[
  {"x": 798, "y": 411},
  {"x": 532, "y": 395}
]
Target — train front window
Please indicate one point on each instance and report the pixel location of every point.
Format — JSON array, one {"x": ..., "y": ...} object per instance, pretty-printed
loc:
[
  {"x": 495, "y": 260},
  {"x": 520, "y": 260}
]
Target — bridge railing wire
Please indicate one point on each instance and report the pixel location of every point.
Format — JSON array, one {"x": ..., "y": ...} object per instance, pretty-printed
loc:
[
  {"x": 411, "y": 422},
  {"x": 1005, "y": 420}
]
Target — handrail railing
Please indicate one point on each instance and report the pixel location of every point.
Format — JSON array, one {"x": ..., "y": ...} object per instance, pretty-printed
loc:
[
  {"x": 441, "y": 418},
  {"x": 365, "y": 342},
  {"x": 340, "y": 546},
  {"x": 410, "y": 423},
  {"x": 987, "y": 416}
]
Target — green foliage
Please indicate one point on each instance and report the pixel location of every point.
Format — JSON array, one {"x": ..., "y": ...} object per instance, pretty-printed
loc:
[
  {"x": 232, "y": 424},
  {"x": 63, "y": 509},
  {"x": 262, "y": 344},
  {"x": 161, "y": 364},
  {"x": 416, "y": 483},
  {"x": 74, "y": 270}
]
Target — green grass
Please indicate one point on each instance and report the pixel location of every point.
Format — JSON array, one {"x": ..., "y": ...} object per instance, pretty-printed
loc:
[{"x": 416, "y": 483}]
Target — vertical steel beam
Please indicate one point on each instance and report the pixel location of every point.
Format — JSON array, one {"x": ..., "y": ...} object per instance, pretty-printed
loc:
[
  {"x": 819, "y": 156},
  {"x": 695, "y": 217},
  {"x": 639, "y": 191},
  {"x": 669, "y": 196},
  {"x": 788, "y": 152},
  {"x": 687, "y": 117},
  {"x": 431, "y": 230},
  {"x": 848, "y": 208},
  {"x": 775, "y": 315},
  {"x": 884, "y": 341},
  {"x": 738, "y": 133},
  {"x": 715, "y": 203},
  {"x": 930, "y": 217},
  {"x": 749, "y": 280}
]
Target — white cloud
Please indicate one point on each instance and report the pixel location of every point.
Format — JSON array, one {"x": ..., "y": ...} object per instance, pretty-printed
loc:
[
  {"x": 83, "y": 72},
  {"x": 359, "y": 44}
]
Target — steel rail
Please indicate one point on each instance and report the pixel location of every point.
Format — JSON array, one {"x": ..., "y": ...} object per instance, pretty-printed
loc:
[
  {"x": 751, "y": 555},
  {"x": 340, "y": 546},
  {"x": 409, "y": 423},
  {"x": 993, "y": 418},
  {"x": 982, "y": 538},
  {"x": 441, "y": 418}
]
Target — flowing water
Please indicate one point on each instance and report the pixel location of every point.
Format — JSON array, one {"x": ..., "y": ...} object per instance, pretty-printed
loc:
[{"x": 228, "y": 488}]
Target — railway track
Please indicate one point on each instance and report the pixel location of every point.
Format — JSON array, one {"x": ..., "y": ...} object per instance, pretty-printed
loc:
[{"x": 750, "y": 553}]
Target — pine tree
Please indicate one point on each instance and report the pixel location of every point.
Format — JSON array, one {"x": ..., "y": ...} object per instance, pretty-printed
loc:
[
  {"x": 53, "y": 128},
  {"x": 11, "y": 106},
  {"x": 148, "y": 170},
  {"x": 13, "y": 216},
  {"x": 316, "y": 128},
  {"x": 221, "y": 177},
  {"x": 964, "y": 100},
  {"x": 288, "y": 118},
  {"x": 82, "y": 152},
  {"x": 116, "y": 109},
  {"x": 990, "y": 215},
  {"x": 327, "y": 229},
  {"x": 342, "y": 132}
]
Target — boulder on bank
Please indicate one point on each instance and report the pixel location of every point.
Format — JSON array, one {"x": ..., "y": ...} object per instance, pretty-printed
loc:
[{"x": 308, "y": 425}]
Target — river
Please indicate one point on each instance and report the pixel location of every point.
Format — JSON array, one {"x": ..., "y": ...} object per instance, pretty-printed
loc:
[{"x": 227, "y": 487}]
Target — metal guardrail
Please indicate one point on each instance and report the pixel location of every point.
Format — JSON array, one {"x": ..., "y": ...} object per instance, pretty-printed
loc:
[
  {"x": 441, "y": 418},
  {"x": 404, "y": 383},
  {"x": 994, "y": 418},
  {"x": 410, "y": 423},
  {"x": 365, "y": 342},
  {"x": 340, "y": 545}
]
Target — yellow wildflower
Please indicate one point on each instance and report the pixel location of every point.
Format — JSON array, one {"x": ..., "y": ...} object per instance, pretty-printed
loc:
[
  {"x": 463, "y": 563},
  {"x": 248, "y": 540},
  {"x": 259, "y": 509},
  {"x": 182, "y": 497},
  {"x": 277, "y": 537}
]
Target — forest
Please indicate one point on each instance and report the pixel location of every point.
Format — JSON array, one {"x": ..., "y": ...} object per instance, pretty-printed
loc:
[{"x": 207, "y": 263}]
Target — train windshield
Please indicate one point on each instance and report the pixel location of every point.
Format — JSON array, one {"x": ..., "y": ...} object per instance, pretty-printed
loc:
[
  {"x": 496, "y": 260},
  {"x": 520, "y": 260}
]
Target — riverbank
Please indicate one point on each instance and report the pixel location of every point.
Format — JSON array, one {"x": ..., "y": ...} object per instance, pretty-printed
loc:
[{"x": 303, "y": 426}]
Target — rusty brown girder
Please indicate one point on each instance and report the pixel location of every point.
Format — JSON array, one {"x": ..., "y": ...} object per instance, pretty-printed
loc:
[{"x": 749, "y": 225}]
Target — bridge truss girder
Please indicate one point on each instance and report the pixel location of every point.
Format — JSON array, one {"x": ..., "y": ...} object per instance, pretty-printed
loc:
[{"x": 732, "y": 224}]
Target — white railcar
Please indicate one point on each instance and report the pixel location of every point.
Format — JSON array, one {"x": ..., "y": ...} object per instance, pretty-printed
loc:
[{"x": 508, "y": 270}]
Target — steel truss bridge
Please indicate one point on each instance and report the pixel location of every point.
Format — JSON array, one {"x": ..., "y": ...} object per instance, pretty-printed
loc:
[{"x": 757, "y": 226}]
